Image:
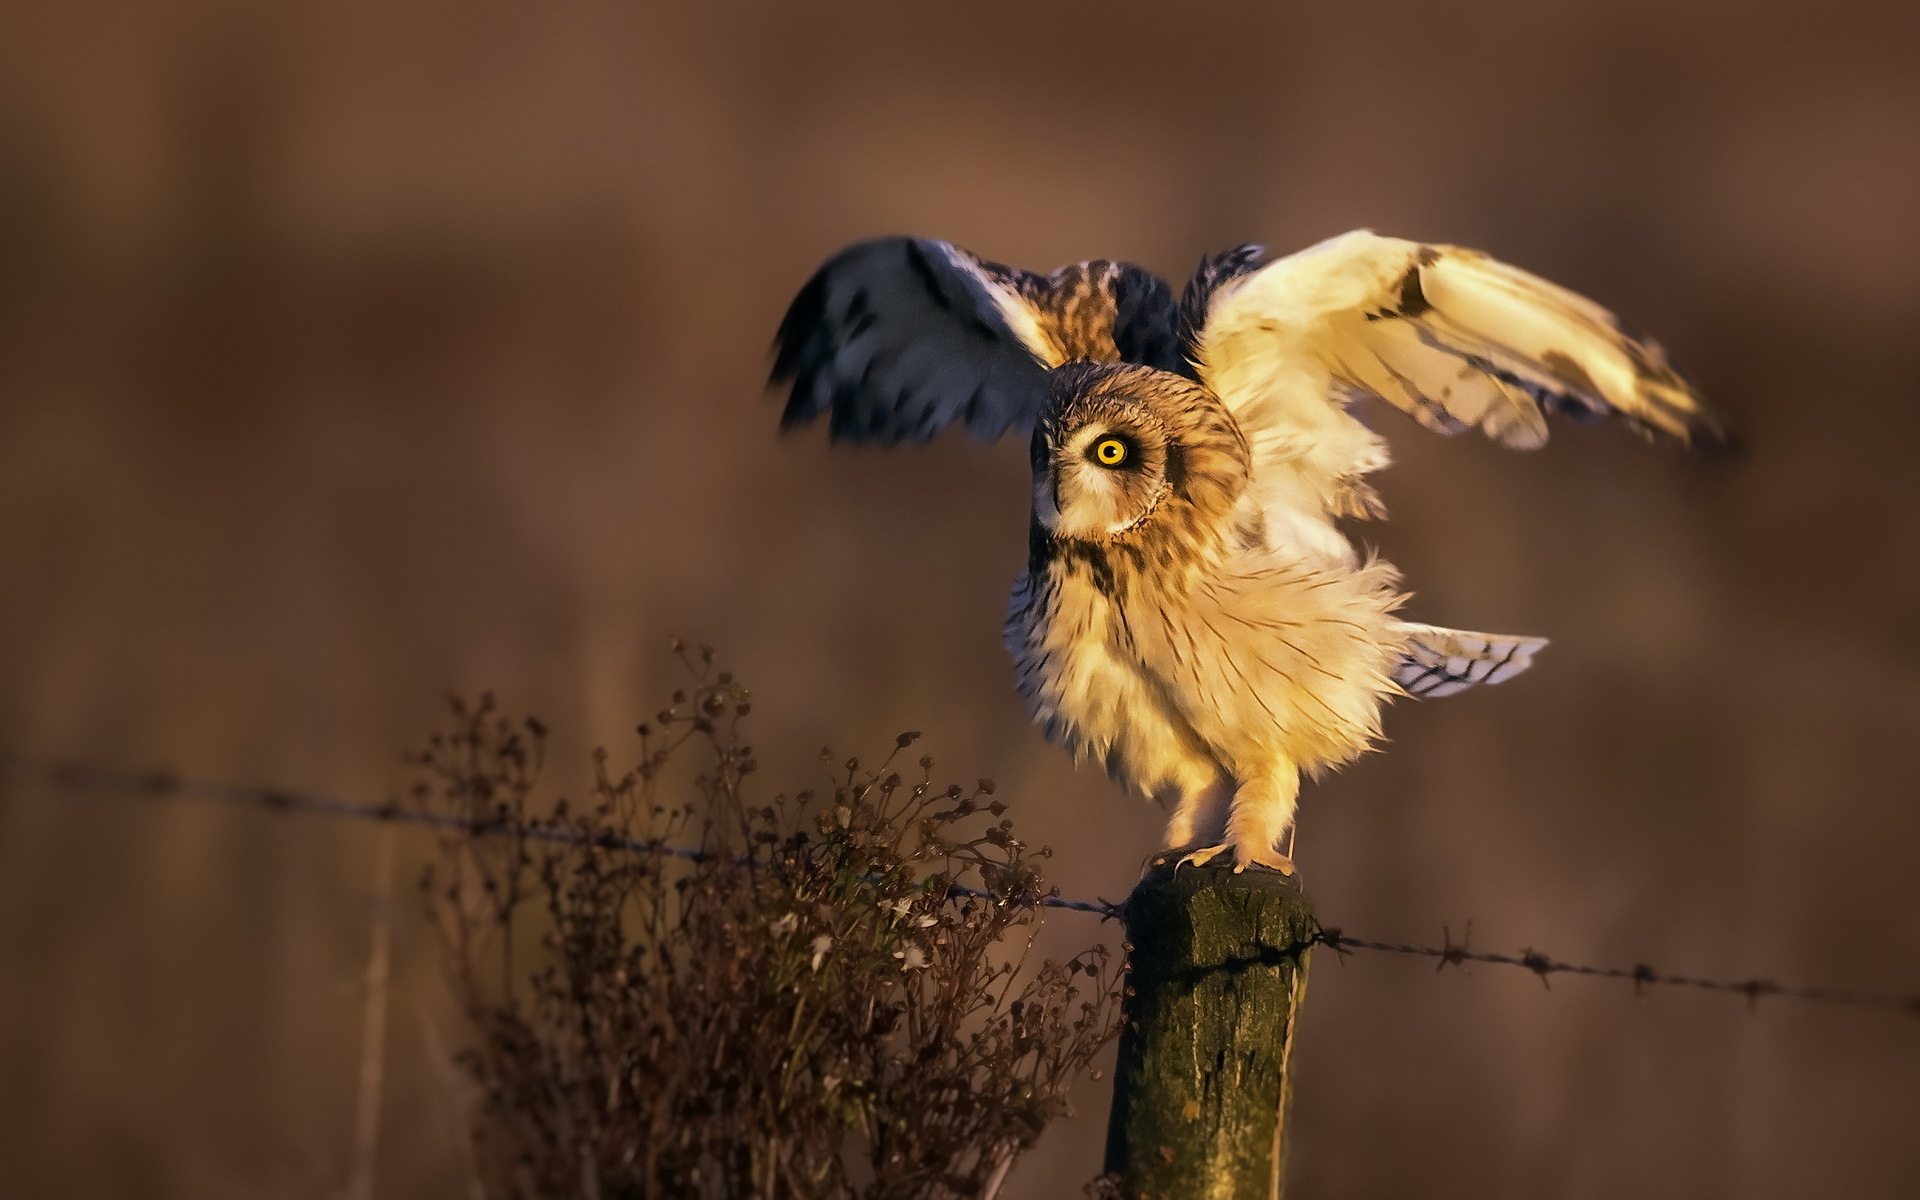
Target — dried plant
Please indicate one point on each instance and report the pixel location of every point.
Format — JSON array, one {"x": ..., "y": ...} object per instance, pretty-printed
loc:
[{"x": 678, "y": 993}]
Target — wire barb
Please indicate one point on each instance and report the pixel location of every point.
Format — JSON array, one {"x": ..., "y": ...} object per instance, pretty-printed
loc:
[{"x": 1447, "y": 954}]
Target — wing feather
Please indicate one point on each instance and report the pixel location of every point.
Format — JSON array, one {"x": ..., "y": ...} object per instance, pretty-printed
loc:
[
  {"x": 1449, "y": 336},
  {"x": 897, "y": 338}
]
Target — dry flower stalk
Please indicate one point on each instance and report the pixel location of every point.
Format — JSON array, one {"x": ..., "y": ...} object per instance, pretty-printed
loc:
[{"x": 804, "y": 1008}]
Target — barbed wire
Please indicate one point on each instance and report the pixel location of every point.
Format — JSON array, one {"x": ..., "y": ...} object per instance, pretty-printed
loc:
[
  {"x": 1448, "y": 954},
  {"x": 165, "y": 783},
  {"x": 1641, "y": 974}
]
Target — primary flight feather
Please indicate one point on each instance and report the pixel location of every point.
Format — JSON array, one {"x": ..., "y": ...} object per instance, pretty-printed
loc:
[{"x": 1191, "y": 616}]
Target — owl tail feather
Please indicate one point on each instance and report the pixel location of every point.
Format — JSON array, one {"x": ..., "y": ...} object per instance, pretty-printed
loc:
[{"x": 1440, "y": 661}]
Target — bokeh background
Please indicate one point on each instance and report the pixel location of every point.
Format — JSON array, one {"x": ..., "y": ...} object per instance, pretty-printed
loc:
[{"x": 351, "y": 353}]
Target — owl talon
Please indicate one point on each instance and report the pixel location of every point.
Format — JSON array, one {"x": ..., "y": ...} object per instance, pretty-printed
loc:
[
  {"x": 1242, "y": 858},
  {"x": 1202, "y": 856},
  {"x": 1272, "y": 860}
]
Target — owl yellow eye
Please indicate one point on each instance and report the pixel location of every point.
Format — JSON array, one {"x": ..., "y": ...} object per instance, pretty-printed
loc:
[{"x": 1110, "y": 452}]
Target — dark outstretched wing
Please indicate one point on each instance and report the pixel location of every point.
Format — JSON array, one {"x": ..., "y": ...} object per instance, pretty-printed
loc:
[{"x": 897, "y": 338}]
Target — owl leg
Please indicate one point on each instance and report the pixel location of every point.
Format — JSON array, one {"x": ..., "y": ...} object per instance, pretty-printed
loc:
[
  {"x": 1200, "y": 803},
  {"x": 1260, "y": 815}
]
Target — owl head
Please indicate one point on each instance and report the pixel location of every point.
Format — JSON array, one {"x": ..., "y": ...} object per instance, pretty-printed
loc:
[{"x": 1120, "y": 446}]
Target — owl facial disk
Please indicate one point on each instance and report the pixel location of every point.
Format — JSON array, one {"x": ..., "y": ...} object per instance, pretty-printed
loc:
[{"x": 1100, "y": 479}]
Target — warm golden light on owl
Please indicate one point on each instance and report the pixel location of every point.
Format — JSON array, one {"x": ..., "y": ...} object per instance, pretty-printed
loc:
[{"x": 1198, "y": 622}]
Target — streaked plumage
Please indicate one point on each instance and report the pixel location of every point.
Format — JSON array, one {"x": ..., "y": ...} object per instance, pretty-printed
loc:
[{"x": 1191, "y": 616}]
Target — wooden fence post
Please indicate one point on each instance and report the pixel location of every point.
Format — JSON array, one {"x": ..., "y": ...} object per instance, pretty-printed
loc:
[{"x": 1218, "y": 969}]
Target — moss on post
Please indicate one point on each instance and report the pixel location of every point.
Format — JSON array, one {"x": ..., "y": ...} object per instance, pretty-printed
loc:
[{"x": 1218, "y": 970}]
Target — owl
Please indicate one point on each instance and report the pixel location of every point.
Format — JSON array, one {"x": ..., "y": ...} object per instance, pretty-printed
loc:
[{"x": 1192, "y": 615}]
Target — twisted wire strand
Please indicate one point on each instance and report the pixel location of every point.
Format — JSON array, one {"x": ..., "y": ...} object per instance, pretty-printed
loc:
[{"x": 1448, "y": 954}]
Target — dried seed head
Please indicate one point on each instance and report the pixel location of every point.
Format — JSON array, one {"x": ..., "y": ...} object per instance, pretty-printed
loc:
[{"x": 904, "y": 915}]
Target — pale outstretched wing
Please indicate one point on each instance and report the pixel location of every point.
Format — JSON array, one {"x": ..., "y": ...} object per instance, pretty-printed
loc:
[
  {"x": 1449, "y": 336},
  {"x": 897, "y": 338}
]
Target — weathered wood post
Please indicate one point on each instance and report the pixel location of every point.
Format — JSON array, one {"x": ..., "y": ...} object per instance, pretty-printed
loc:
[{"x": 1218, "y": 969}]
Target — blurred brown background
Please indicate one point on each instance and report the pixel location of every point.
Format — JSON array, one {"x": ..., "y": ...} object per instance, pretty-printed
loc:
[{"x": 350, "y": 353}]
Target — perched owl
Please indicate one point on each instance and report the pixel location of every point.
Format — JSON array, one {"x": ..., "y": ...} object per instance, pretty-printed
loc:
[{"x": 1191, "y": 614}]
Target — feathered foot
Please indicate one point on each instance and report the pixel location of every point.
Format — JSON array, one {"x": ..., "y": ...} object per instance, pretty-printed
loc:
[
  {"x": 1259, "y": 812},
  {"x": 1262, "y": 814},
  {"x": 1186, "y": 854},
  {"x": 1243, "y": 857}
]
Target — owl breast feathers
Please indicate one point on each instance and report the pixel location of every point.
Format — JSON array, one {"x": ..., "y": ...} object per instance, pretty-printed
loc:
[{"x": 1191, "y": 616}]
